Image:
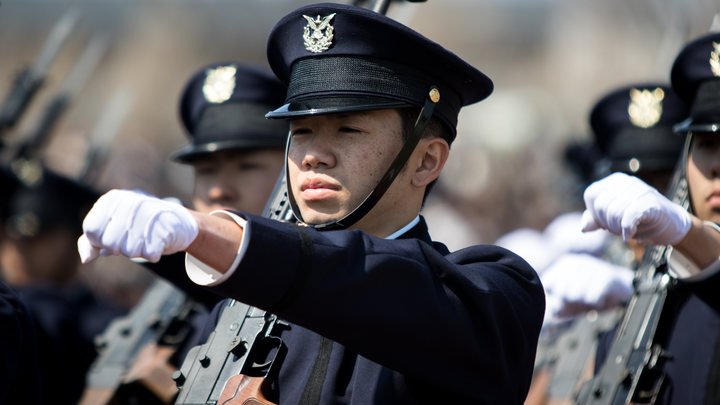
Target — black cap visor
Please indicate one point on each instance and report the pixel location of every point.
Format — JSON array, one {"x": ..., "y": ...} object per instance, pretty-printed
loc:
[
  {"x": 192, "y": 152},
  {"x": 324, "y": 104}
]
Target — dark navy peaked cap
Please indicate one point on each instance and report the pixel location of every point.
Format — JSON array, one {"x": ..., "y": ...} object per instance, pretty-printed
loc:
[
  {"x": 338, "y": 58},
  {"x": 49, "y": 201},
  {"x": 695, "y": 77},
  {"x": 633, "y": 127},
  {"x": 223, "y": 107}
]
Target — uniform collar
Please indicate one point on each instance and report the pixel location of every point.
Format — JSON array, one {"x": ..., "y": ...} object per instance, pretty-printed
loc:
[{"x": 416, "y": 229}]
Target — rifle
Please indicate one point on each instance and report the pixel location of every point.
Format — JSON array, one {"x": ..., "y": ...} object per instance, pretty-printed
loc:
[
  {"x": 24, "y": 161},
  {"x": 30, "y": 79},
  {"x": 229, "y": 363},
  {"x": 162, "y": 316},
  {"x": 633, "y": 370},
  {"x": 102, "y": 135},
  {"x": 567, "y": 360}
]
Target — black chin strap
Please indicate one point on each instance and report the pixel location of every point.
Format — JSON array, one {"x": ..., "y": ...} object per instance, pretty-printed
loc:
[{"x": 387, "y": 179}]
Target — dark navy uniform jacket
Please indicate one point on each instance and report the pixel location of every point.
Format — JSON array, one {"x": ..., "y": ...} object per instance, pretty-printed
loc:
[
  {"x": 67, "y": 320},
  {"x": 409, "y": 322},
  {"x": 20, "y": 375}
]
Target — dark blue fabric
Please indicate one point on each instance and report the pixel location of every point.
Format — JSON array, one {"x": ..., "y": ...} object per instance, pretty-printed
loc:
[
  {"x": 172, "y": 268},
  {"x": 20, "y": 375},
  {"x": 67, "y": 319},
  {"x": 411, "y": 322}
]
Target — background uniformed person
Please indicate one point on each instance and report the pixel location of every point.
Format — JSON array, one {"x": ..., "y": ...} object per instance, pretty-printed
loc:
[
  {"x": 44, "y": 219},
  {"x": 375, "y": 297},
  {"x": 626, "y": 206},
  {"x": 236, "y": 155}
]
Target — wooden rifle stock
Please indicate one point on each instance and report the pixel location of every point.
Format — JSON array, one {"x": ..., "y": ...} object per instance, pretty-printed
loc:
[{"x": 244, "y": 390}]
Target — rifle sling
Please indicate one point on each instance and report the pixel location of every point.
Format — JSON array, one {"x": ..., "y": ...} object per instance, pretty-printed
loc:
[{"x": 313, "y": 388}]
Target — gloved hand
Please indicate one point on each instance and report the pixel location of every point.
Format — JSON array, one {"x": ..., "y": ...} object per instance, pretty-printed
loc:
[
  {"x": 135, "y": 224},
  {"x": 626, "y": 206},
  {"x": 576, "y": 283}
]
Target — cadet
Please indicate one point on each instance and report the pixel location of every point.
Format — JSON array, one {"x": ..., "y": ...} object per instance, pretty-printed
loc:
[
  {"x": 633, "y": 133},
  {"x": 236, "y": 155},
  {"x": 18, "y": 340},
  {"x": 626, "y": 206},
  {"x": 377, "y": 312},
  {"x": 44, "y": 219}
]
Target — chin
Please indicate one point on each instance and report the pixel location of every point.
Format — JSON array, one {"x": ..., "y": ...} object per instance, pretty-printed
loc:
[{"x": 314, "y": 216}]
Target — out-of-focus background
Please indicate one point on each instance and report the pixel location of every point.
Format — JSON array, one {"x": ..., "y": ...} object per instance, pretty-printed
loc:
[{"x": 550, "y": 61}]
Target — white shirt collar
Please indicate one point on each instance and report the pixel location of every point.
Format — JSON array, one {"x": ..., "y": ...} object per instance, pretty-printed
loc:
[{"x": 404, "y": 229}]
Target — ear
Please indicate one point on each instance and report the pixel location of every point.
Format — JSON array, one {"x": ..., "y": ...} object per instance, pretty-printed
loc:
[{"x": 432, "y": 153}]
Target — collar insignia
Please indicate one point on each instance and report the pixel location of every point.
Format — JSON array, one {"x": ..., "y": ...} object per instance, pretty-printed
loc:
[
  {"x": 645, "y": 107},
  {"x": 318, "y": 33},
  {"x": 715, "y": 59},
  {"x": 219, "y": 84}
]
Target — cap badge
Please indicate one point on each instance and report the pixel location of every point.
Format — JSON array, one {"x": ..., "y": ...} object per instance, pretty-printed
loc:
[
  {"x": 715, "y": 59},
  {"x": 645, "y": 107},
  {"x": 318, "y": 33},
  {"x": 219, "y": 84}
]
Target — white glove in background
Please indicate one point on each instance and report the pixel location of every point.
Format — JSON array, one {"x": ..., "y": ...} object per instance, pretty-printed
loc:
[
  {"x": 575, "y": 283},
  {"x": 135, "y": 224},
  {"x": 564, "y": 233},
  {"x": 626, "y": 206}
]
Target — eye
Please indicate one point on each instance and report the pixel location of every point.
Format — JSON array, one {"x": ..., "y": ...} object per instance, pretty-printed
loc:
[
  {"x": 205, "y": 169},
  {"x": 349, "y": 130},
  {"x": 707, "y": 143},
  {"x": 249, "y": 166}
]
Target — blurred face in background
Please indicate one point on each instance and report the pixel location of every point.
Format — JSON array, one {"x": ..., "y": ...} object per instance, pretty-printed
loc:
[
  {"x": 50, "y": 256},
  {"x": 703, "y": 174},
  {"x": 239, "y": 180}
]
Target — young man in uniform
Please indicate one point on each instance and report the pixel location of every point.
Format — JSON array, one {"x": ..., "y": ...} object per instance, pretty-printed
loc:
[
  {"x": 236, "y": 155},
  {"x": 627, "y": 206},
  {"x": 376, "y": 311}
]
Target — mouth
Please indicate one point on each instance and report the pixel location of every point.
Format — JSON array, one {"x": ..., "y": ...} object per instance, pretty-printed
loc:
[
  {"x": 315, "y": 189},
  {"x": 714, "y": 198}
]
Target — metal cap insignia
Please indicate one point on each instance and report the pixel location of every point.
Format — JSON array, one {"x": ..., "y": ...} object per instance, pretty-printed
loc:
[
  {"x": 715, "y": 59},
  {"x": 219, "y": 84},
  {"x": 645, "y": 108},
  {"x": 318, "y": 33}
]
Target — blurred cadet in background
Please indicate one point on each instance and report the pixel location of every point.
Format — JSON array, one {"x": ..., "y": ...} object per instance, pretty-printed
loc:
[
  {"x": 587, "y": 273},
  {"x": 632, "y": 129},
  {"x": 236, "y": 155},
  {"x": 19, "y": 358},
  {"x": 629, "y": 207},
  {"x": 43, "y": 220}
]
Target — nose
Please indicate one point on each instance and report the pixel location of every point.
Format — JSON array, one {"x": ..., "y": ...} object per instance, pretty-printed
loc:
[
  {"x": 317, "y": 152},
  {"x": 222, "y": 192}
]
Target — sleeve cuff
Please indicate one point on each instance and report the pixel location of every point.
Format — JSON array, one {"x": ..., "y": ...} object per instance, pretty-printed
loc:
[
  {"x": 684, "y": 269},
  {"x": 202, "y": 274}
]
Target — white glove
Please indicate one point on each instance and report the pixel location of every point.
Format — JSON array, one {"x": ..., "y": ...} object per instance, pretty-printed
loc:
[
  {"x": 134, "y": 224},
  {"x": 626, "y": 206},
  {"x": 576, "y": 283}
]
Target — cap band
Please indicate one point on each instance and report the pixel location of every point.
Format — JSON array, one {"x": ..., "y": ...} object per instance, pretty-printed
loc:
[{"x": 360, "y": 76}]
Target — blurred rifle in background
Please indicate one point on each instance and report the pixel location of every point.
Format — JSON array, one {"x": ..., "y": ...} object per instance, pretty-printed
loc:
[
  {"x": 24, "y": 162},
  {"x": 30, "y": 79}
]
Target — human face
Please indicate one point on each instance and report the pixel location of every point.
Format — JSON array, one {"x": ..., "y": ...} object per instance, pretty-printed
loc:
[
  {"x": 51, "y": 256},
  {"x": 336, "y": 160},
  {"x": 703, "y": 173},
  {"x": 240, "y": 180}
]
